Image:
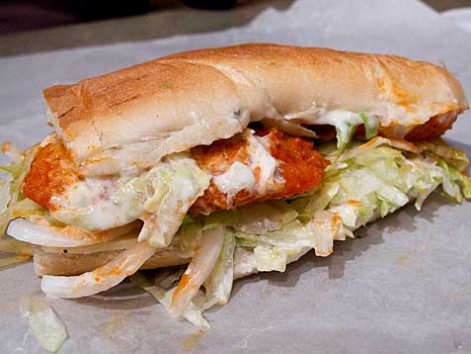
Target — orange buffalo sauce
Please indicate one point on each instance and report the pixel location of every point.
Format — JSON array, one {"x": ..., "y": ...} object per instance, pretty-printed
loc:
[
  {"x": 50, "y": 174},
  {"x": 301, "y": 166}
]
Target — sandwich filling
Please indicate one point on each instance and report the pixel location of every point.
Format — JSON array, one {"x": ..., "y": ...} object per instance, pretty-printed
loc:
[
  {"x": 245, "y": 169},
  {"x": 251, "y": 203}
]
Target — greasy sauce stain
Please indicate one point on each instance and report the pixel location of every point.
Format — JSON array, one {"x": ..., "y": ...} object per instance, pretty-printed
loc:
[
  {"x": 115, "y": 324},
  {"x": 192, "y": 340}
]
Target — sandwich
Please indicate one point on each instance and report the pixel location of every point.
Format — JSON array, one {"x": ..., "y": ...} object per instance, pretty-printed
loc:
[{"x": 219, "y": 163}]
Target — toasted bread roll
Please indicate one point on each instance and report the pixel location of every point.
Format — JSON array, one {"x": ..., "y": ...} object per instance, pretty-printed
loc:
[{"x": 137, "y": 115}]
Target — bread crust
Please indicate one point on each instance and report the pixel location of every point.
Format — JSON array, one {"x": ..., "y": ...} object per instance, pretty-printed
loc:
[
  {"x": 135, "y": 116},
  {"x": 70, "y": 264}
]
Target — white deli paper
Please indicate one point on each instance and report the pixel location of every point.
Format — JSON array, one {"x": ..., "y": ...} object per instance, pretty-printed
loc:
[{"x": 404, "y": 286}]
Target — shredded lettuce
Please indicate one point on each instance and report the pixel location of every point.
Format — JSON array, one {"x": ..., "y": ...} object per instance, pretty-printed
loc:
[
  {"x": 10, "y": 189},
  {"x": 45, "y": 324},
  {"x": 345, "y": 132},
  {"x": 163, "y": 289},
  {"x": 371, "y": 125},
  {"x": 274, "y": 249},
  {"x": 455, "y": 183},
  {"x": 218, "y": 285},
  {"x": 438, "y": 148},
  {"x": 264, "y": 217},
  {"x": 220, "y": 217},
  {"x": 4, "y": 201},
  {"x": 270, "y": 258},
  {"x": 177, "y": 183},
  {"x": 363, "y": 182},
  {"x": 200, "y": 267},
  {"x": 12, "y": 203}
]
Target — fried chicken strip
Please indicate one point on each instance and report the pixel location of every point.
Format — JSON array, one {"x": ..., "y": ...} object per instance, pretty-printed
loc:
[{"x": 281, "y": 166}]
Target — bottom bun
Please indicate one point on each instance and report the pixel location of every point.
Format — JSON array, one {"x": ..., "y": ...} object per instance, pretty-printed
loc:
[{"x": 69, "y": 264}]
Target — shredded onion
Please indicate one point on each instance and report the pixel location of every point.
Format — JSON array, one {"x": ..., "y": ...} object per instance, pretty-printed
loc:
[
  {"x": 69, "y": 236},
  {"x": 325, "y": 226},
  {"x": 371, "y": 144},
  {"x": 290, "y": 127},
  {"x": 100, "y": 279},
  {"x": 121, "y": 243},
  {"x": 374, "y": 143},
  {"x": 198, "y": 270},
  {"x": 404, "y": 145}
]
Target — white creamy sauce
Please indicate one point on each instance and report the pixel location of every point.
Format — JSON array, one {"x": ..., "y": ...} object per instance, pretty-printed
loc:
[
  {"x": 160, "y": 197},
  {"x": 339, "y": 117},
  {"x": 242, "y": 177},
  {"x": 177, "y": 183},
  {"x": 387, "y": 115},
  {"x": 261, "y": 159},
  {"x": 305, "y": 115},
  {"x": 344, "y": 122},
  {"x": 237, "y": 178},
  {"x": 98, "y": 204}
]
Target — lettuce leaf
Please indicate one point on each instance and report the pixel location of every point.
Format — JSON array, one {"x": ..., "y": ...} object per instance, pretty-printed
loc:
[
  {"x": 365, "y": 181},
  {"x": 177, "y": 183},
  {"x": 371, "y": 125},
  {"x": 218, "y": 285},
  {"x": 46, "y": 326},
  {"x": 163, "y": 288}
]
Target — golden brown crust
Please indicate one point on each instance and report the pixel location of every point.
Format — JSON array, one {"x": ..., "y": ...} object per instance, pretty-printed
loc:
[
  {"x": 300, "y": 167},
  {"x": 137, "y": 115},
  {"x": 140, "y": 114}
]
